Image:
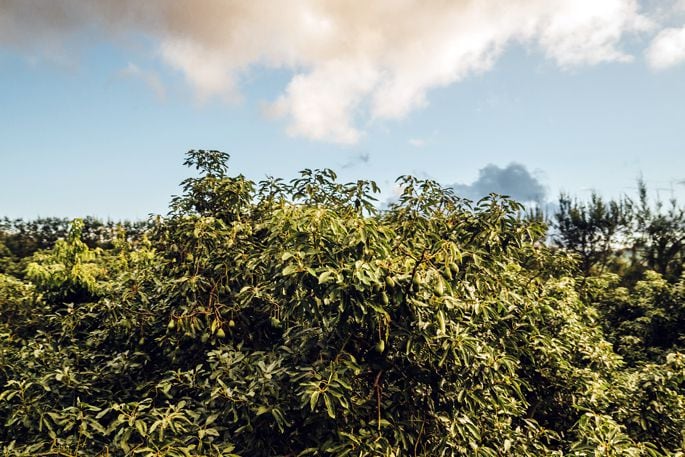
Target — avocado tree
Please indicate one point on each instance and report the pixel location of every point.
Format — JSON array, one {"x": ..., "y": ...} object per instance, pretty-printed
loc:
[{"x": 296, "y": 319}]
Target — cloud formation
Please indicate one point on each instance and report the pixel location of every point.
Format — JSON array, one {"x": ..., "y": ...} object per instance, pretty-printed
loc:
[
  {"x": 513, "y": 180},
  {"x": 359, "y": 159},
  {"x": 350, "y": 65},
  {"x": 667, "y": 49}
]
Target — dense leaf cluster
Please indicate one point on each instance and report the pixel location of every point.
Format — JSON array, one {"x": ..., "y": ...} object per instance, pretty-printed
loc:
[{"x": 295, "y": 319}]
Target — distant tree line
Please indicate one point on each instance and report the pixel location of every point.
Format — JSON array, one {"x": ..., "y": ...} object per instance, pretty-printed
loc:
[
  {"x": 625, "y": 236},
  {"x": 20, "y": 239}
]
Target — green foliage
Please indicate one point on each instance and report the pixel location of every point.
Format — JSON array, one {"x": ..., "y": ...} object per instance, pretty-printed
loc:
[
  {"x": 659, "y": 236},
  {"x": 6, "y": 260},
  {"x": 23, "y": 238},
  {"x": 623, "y": 236},
  {"x": 593, "y": 230},
  {"x": 20, "y": 240},
  {"x": 295, "y": 319},
  {"x": 69, "y": 271},
  {"x": 644, "y": 321}
]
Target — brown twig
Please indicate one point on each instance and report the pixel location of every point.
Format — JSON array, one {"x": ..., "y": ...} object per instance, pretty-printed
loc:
[{"x": 377, "y": 388}]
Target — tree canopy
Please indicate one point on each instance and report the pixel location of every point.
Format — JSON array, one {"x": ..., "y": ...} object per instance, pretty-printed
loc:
[{"x": 295, "y": 318}]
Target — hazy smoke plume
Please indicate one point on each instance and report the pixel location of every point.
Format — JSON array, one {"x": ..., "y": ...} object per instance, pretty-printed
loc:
[
  {"x": 351, "y": 64},
  {"x": 513, "y": 180}
]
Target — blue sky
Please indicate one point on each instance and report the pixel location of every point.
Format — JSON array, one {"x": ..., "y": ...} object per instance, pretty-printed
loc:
[{"x": 98, "y": 109}]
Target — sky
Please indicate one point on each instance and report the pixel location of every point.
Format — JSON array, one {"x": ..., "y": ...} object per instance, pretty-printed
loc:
[{"x": 99, "y": 101}]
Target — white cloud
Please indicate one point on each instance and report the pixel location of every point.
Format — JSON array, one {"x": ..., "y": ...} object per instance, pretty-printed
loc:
[
  {"x": 589, "y": 31},
  {"x": 321, "y": 103},
  {"x": 417, "y": 142},
  {"x": 350, "y": 64},
  {"x": 667, "y": 49}
]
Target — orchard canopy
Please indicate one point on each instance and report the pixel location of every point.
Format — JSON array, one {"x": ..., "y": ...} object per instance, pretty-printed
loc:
[{"x": 296, "y": 318}]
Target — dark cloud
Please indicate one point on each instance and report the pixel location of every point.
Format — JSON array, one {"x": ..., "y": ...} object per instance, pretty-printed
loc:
[
  {"x": 359, "y": 159},
  {"x": 513, "y": 180}
]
